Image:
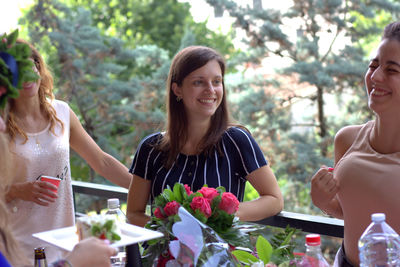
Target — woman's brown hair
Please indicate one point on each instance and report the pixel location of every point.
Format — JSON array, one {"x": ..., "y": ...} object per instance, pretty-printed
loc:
[
  {"x": 186, "y": 61},
  {"x": 45, "y": 91},
  {"x": 392, "y": 31}
]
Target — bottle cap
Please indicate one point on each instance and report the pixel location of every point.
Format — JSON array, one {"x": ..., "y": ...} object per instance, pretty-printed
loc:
[
  {"x": 39, "y": 253},
  {"x": 378, "y": 217},
  {"x": 313, "y": 239},
  {"x": 113, "y": 203}
]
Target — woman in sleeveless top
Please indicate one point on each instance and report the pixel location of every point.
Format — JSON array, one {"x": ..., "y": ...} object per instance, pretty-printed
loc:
[
  {"x": 366, "y": 175},
  {"x": 89, "y": 252},
  {"x": 41, "y": 130}
]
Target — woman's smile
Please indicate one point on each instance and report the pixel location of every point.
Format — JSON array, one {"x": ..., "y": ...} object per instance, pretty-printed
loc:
[
  {"x": 378, "y": 92},
  {"x": 207, "y": 100}
]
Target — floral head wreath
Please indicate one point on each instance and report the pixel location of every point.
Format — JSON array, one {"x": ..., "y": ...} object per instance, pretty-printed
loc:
[{"x": 16, "y": 67}]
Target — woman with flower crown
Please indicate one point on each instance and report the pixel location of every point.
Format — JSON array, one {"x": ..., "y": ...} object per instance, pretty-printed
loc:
[
  {"x": 42, "y": 130},
  {"x": 200, "y": 145},
  {"x": 89, "y": 252},
  {"x": 15, "y": 71}
]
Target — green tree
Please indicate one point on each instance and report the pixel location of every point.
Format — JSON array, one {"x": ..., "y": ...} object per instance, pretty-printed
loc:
[
  {"x": 152, "y": 22},
  {"x": 116, "y": 87},
  {"x": 327, "y": 50},
  {"x": 115, "y": 112},
  {"x": 323, "y": 45}
]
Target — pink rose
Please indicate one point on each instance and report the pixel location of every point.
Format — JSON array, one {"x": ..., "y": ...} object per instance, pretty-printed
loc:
[
  {"x": 209, "y": 193},
  {"x": 229, "y": 203},
  {"x": 171, "y": 208},
  {"x": 187, "y": 188},
  {"x": 3, "y": 90},
  {"x": 201, "y": 204},
  {"x": 158, "y": 213}
]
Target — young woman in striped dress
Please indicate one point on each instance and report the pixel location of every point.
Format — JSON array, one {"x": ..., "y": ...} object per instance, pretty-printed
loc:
[{"x": 200, "y": 145}]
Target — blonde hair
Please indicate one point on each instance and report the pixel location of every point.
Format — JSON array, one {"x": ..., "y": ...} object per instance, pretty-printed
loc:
[{"x": 45, "y": 91}]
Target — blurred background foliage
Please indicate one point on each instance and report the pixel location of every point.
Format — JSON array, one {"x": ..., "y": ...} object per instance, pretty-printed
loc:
[{"x": 110, "y": 60}]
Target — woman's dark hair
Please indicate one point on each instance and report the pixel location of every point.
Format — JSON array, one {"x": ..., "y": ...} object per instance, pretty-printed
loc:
[
  {"x": 392, "y": 31},
  {"x": 185, "y": 62}
]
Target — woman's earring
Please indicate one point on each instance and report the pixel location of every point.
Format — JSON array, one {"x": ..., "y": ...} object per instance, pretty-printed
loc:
[{"x": 178, "y": 98}]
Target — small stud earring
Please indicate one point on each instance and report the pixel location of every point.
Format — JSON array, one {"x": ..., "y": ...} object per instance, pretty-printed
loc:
[{"x": 178, "y": 98}]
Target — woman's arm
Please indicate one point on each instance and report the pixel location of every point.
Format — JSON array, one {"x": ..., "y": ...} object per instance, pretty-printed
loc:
[
  {"x": 39, "y": 192},
  {"x": 36, "y": 191},
  {"x": 324, "y": 186},
  {"x": 138, "y": 197},
  {"x": 103, "y": 163},
  {"x": 270, "y": 201},
  {"x": 323, "y": 192}
]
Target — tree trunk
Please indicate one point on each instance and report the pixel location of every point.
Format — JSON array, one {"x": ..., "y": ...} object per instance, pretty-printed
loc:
[{"x": 322, "y": 121}]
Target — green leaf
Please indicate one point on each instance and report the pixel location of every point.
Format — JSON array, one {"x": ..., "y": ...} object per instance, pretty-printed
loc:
[
  {"x": 244, "y": 256},
  {"x": 12, "y": 37},
  {"x": 115, "y": 237},
  {"x": 95, "y": 229},
  {"x": 200, "y": 216},
  {"x": 289, "y": 236},
  {"x": 221, "y": 189},
  {"x": 236, "y": 238},
  {"x": 178, "y": 192},
  {"x": 168, "y": 195},
  {"x": 264, "y": 249},
  {"x": 108, "y": 225}
]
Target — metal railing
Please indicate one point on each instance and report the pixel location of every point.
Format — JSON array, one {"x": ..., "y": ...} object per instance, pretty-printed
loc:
[{"x": 307, "y": 223}]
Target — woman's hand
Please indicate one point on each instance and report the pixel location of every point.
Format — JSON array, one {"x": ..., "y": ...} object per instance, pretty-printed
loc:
[
  {"x": 39, "y": 192},
  {"x": 92, "y": 252},
  {"x": 324, "y": 188}
]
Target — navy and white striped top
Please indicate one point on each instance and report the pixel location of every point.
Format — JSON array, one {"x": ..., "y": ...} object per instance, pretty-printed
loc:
[{"x": 241, "y": 156}]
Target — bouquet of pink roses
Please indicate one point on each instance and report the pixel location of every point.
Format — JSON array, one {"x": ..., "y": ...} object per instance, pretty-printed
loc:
[{"x": 212, "y": 209}]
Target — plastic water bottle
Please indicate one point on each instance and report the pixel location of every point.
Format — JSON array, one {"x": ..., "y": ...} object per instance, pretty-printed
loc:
[
  {"x": 379, "y": 245},
  {"x": 313, "y": 256},
  {"x": 114, "y": 209}
]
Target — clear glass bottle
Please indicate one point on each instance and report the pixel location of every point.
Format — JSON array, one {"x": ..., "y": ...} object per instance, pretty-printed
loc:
[
  {"x": 40, "y": 257},
  {"x": 313, "y": 256},
  {"x": 113, "y": 208},
  {"x": 379, "y": 245}
]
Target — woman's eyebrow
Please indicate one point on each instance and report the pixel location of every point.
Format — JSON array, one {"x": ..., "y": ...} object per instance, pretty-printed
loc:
[{"x": 391, "y": 62}]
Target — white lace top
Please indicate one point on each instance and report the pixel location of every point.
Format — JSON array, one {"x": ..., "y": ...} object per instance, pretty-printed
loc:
[{"x": 45, "y": 154}]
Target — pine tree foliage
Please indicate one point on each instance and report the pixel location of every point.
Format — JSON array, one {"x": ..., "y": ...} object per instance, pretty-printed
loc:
[
  {"x": 115, "y": 108},
  {"x": 320, "y": 39},
  {"x": 324, "y": 45},
  {"x": 114, "y": 82},
  {"x": 152, "y": 22}
]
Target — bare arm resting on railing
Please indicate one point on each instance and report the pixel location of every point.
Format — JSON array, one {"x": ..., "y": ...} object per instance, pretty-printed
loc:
[{"x": 270, "y": 201}]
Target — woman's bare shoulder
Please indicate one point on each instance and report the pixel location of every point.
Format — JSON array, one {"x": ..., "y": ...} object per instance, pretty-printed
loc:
[
  {"x": 344, "y": 138},
  {"x": 348, "y": 133}
]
